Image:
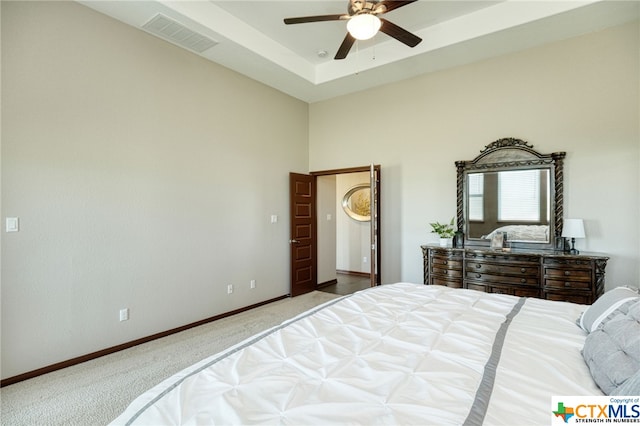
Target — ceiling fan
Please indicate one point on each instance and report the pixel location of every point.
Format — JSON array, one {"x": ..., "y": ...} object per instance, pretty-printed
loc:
[{"x": 363, "y": 23}]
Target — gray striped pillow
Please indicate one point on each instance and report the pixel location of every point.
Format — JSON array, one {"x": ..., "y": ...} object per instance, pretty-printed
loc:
[{"x": 611, "y": 303}]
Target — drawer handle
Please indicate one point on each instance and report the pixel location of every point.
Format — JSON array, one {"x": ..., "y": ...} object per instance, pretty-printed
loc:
[
  {"x": 567, "y": 284},
  {"x": 523, "y": 270},
  {"x": 523, "y": 280},
  {"x": 445, "y": 272},
  {"x": 478, "y": 265},
  {"x": 444, "y": 262},
  {"x": 478, "y": 275}
]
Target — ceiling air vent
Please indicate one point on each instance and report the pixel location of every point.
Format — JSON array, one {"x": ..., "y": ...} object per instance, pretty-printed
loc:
[{"x": 177, "y": 33}]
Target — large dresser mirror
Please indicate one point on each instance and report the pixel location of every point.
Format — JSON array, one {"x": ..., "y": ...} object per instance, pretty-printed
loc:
[{"x": 513, "y": 190}]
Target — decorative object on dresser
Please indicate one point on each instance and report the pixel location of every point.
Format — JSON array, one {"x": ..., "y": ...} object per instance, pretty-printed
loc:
[
  {"x": 497, "y": 240},
  {"x": 573, "y": 228},
  {"x": 445, "y": 231},
  {"x": 458, "y": 239},
  {"x": 512, "y": 189}
]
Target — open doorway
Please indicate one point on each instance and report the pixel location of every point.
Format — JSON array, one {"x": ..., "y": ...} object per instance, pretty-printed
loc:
[
  {"x": 343, "y": 235},
  {"x": 320, "y": 227},
  {"x": 348, "y": 229}
]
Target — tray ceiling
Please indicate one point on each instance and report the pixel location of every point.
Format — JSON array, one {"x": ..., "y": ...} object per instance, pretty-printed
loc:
[{"x": 251, "y": 38}]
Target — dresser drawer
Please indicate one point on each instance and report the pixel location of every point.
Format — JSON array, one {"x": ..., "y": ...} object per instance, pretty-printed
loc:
[
  {"x": 503, "y": 258},
  {"x": 507, "y": 269},
  {"x": 511, "y": 290},
  {"x": 438, "y": 262},
  {"x": 444, "y": 258},
  {"x": 449, "y": 283},
  {"x": 526, "y": 280},
  {"x": 443, "y": 272},
  {"x": 526, "y": 292},
  {"x": 567, "y": 284},
  {"x": 575, "y": 297},
  {"x": 571, "y": 262},
  {"x": 478, "y": 287},
  {"x": 569, "y": 274}
]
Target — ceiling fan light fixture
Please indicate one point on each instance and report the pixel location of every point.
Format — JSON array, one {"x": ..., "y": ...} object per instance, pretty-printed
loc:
[{"x": 363, "y": 26}]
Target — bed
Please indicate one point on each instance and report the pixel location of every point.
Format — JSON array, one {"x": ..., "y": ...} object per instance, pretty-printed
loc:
[
  {"x": 393, "y": 354},
  {"x": 526, "y": 233}
]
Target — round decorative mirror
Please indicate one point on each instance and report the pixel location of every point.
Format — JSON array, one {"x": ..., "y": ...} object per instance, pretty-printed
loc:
[{"x": 357, "y": 202}]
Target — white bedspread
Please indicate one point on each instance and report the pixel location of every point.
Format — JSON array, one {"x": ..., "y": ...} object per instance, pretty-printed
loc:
[{"x": 395, "y": 354}]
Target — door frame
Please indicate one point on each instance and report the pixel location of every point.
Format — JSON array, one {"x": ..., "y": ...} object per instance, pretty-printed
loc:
[{"x": 375, "y": 220}]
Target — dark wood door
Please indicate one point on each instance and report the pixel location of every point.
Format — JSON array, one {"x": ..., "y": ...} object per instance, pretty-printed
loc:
[{"x": 302, "y": 193}]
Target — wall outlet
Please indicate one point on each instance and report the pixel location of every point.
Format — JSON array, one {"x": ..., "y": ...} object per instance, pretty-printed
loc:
[
  {"x": 124, "y": 314},
  {"x": 230, "y": 289},
  {"x": 364, "y": 259},
  {"x": 252, "y": 284}
]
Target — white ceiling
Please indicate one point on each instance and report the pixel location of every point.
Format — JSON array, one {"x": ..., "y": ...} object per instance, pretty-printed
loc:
[{"x": 254, "y": 41}]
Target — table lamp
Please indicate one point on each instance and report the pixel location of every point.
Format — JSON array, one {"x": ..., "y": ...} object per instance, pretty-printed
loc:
[{"x": 573, "y": 228}]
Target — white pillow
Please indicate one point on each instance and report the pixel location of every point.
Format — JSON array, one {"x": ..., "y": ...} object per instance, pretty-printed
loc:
[
  {"x": 606, "y": 305},
  {"x": 612, "y": 352}
]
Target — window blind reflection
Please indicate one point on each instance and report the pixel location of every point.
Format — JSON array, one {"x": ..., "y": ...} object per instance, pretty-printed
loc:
[
  {"x": 519, "y": 195},
  {"x": 476, "y": 196}
]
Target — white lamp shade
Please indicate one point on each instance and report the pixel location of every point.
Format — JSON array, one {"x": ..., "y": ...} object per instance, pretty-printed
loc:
[
  {"x": 573, "y": 228},
  {"x": 363, "y": 27}
]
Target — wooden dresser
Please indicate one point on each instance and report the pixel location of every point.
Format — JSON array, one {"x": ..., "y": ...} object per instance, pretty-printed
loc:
[{"x": 547, "y": 275}]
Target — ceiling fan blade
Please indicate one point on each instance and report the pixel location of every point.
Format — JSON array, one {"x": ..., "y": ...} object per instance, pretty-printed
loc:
[
  {"x": 319, "y": 18},
  {"x": 390, "y": 4},
  {"x": 400, "y": 34},
  {"x": 343, "y": 51}
]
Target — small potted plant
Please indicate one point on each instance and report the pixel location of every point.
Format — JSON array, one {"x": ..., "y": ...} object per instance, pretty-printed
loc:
[{"x": 445, "y": 231}]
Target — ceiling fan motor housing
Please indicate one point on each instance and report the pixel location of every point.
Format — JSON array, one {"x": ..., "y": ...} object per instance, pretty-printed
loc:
[{"x": 357, "y": 7}]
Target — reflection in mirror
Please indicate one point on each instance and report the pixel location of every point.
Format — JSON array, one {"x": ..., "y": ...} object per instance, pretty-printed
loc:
[{"x": 515, "y": 201}]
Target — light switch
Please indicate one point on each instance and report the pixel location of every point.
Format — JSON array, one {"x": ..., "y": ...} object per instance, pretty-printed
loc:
[
  {"x": 328, "y": 216},
  {"x": 12, "y": 224},
  {"x": 274, "y": 218}
]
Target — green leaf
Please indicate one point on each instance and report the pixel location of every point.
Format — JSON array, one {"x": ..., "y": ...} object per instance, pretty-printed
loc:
[{"x": 443, "y": 230}]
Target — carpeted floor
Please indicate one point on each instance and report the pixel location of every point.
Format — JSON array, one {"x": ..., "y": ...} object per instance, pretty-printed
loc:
[{"x": 97, "y": 391}]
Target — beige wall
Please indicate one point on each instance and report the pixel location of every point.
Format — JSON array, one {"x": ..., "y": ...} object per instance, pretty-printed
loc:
[
  {"x": 580, "y": 96},
  {"x": 143, "y": 176},
  {"x": 326, "y": 219},
  {"x": 353, "y": 238}
]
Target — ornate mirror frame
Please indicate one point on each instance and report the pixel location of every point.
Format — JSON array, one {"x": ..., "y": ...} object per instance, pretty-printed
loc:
[{"x": 512, "y": 154}]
